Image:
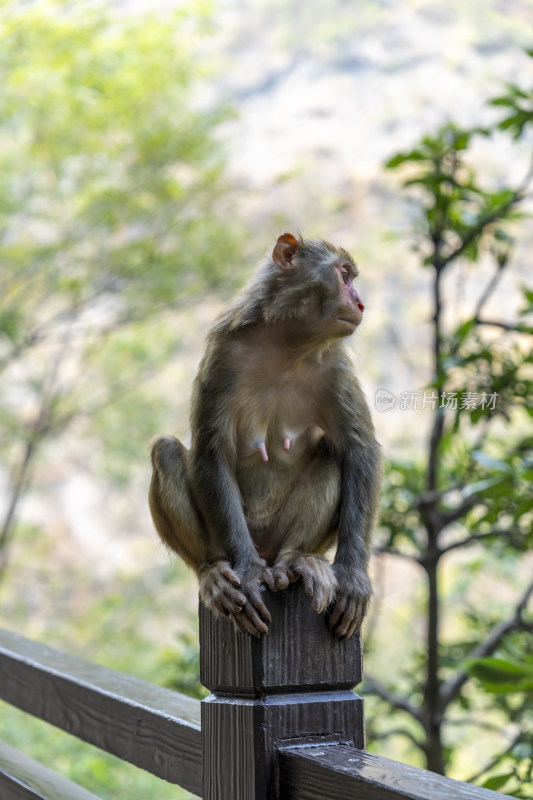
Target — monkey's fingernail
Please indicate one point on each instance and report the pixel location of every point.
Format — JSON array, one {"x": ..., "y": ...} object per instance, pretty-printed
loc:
[{"x": 286, "y": 442}]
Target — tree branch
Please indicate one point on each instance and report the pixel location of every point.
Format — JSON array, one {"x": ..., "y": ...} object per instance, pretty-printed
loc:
[
  {"x": 510, "y": 535},
  {"x": 492, "y": 763},
  {"x": 491, "y": 286},
  {"x": 390, "y": 551},
  {"x": 398, "y": 732},
  {"x": 452, "y": 688},
  {"x": 441, "y": 262},
  {"x": 451, "y": 516},
  {"x": 503, "y": 325},
  {"x": 400, "y": 703}
]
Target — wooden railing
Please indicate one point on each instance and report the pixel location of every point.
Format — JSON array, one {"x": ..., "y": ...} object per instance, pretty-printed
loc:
[{"x": 281, "y": 721}]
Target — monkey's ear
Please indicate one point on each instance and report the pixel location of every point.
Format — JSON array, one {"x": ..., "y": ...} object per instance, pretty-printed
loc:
[{"x": 283, "y": 252}]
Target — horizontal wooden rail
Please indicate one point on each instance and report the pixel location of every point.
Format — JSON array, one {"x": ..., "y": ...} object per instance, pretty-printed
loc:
[
  {"x": 315, "y": 773},
  {"x": 282, "y": 722},
  {"x": 154, "y": 728},
  {"x": 22, "y": 778}
]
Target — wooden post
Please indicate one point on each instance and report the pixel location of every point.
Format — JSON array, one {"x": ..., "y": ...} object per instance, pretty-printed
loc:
[{"x": 289, "y": 687}]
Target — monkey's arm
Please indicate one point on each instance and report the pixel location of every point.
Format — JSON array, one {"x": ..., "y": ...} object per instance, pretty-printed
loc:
[
  {"x": 360, "y": 484},
  {"x": 218, "y": 498}
]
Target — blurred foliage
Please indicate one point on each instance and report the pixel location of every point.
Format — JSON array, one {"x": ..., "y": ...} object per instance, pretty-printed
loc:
[
  {"x": 182, "y": 662},
  {"x": 112, "y": 203},
  {"x": 508, "y": 678},
  {"x": 113, "y": 200},
  {"x": 471, "y": 494},
  {"x": 108, "y": 777},
  {"x": 121, "y": 624}
]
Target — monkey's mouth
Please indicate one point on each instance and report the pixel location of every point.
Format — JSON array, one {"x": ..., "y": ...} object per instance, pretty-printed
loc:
[{"x": 349, "y": 321}]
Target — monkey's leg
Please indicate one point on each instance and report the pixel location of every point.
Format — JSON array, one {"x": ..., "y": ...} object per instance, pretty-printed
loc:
[
  {"x": 309, "y": 519},
  {"x": 180, "y": 527}
]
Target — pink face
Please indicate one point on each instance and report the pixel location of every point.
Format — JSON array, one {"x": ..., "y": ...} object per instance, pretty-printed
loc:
[{"x": 351, "y": 309}]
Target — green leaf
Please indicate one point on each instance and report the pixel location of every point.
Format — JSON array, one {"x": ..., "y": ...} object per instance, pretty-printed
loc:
[
  {"x": 402, "y": 158},
  {"x": 502, "y": 675},
  {"x": 497, "y": 781}
]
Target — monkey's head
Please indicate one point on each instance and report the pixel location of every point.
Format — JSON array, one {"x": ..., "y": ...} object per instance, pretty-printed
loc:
[{"x": 311, "y": 281}]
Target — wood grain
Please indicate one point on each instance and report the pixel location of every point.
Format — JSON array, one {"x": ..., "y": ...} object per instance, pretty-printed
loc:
[
  {"x": 299, "y": 653},
  {"x": 22, "y": 778},
  {"x": 316, "y": 773},
  {"x": 294, "y": 685},
  {"x": 154, "y": 728}
]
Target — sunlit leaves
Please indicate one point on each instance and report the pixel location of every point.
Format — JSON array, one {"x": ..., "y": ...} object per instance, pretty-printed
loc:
[
  {"x": 473, "y": 495},
  {"x": 113, "y": 209},
  {"x": 109, "y": 164},
  {"x": 508, "y": 677},
  {"x": 518, "y": 107},
  {"x": 457, "y": 209},
  {"x": 503, "y": 675}
]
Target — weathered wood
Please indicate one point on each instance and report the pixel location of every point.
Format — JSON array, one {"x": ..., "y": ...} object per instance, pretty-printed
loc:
[
  {"x": 299, "y": 653},
  {"x": 154, "y": 728},
  {"x": 316, "y": 773},
  {"x": 22, "y": 778},
  {"x": 293, "y": 685}
]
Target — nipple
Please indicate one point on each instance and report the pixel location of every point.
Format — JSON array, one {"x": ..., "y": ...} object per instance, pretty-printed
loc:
[{"x": 260, "y": 447}]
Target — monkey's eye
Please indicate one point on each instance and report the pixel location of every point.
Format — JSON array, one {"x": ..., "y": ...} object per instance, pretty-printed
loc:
[{"x": 345, "y": 275}]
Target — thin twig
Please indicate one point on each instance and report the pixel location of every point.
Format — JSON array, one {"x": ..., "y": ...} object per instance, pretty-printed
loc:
[
  {"x": 398, "y": 732},
  {"x": 495, "y": 760},
  {"x": 390, "y": 551},
  {"x": 510, "y": 535},
  {"x": 489, "y": 289},
  {"x": 503, "y": 325},
  {"x": 401, "y": 703},
  {"x": 452, "y": 688}
]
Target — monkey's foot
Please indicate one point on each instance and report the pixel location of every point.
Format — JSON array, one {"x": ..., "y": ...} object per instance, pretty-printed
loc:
[
  {"x": 317, "y": 576},
  {"x": 218, "y": 585},
  {"x": 351, "y": 604}
]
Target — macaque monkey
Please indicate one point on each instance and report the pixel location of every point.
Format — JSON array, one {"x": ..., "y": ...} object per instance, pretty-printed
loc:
[{"x": 283, "y": 460}]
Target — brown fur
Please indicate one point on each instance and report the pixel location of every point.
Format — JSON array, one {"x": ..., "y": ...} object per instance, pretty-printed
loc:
[{"x": 275, "y": 368}]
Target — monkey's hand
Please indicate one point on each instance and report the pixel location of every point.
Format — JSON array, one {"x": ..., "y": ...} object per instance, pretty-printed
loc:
[
  {"x": 254, "y": 616},
  {"x": 316, "y": 573},
  {"x": 351, "y": 600},
  {"x": 219, "y": 588},
  {"x": 227, "y": 594}
]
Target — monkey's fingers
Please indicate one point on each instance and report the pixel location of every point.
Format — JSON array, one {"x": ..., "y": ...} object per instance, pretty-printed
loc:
[
  {"x": 348, "y": 617},
  {"x": 356, "y": 623},
  {"x": 228, "y": 600},
  {"x": 253, "y": 621},
  {"x": 245, "y": 624},
  {"x": 269, "y": 579},
  {"x": 230, "y": 575},
  {"x": 325, "y": 585},
  {"x": 362, "y": 611},
  {"x": 324, "y": 595},
  {"x": 309, "y": 582},
  {"x": 283, "y": 575},
  {"x": 353, "y": 616},
  {"x": 256, "y": 605},
  {"x": 338, "y": 611}
]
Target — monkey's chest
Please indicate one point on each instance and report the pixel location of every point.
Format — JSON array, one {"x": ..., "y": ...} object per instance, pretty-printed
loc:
[{"x": 277, "y": 424}]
